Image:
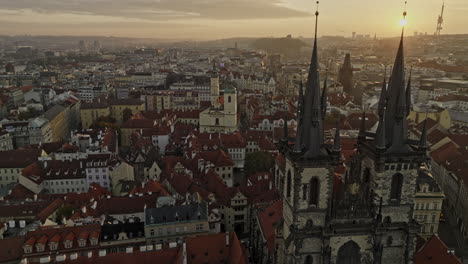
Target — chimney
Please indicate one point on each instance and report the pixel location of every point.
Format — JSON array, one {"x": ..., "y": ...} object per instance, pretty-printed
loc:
[
  {"x": 81, "y": 164},
  {"x": 227, "y": 239},
  {"x": 270, "y": 185},
  {"x": 35, "y": 197},
  {"x": 94, "y": 205}
]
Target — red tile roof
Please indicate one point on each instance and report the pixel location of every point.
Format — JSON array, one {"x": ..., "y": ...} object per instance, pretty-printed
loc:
[
  {"x": 11, "y": 249},
  {"x": 212, "y": 249},
  {"x": 58, "y": 234},
  {"x": 49, "y": 210},
  {"x": 435, "y": 252},
  {"x": 268, "y": 220},
  {"x": 169, "y": 256},
  {"x": 19, "y": 158},
  {"x": 218, "y": 158},
  {"x": 150, "y": 187}
]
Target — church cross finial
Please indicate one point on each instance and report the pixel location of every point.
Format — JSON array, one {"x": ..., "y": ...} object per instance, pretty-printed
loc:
[{"x": 316, "y": 19}]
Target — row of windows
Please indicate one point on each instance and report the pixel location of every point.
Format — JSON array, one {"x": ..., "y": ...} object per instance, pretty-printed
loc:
[
  {"x": 64, "y": 182},
  {"x": 424, "y": 218},
  {"x": 7, "y": 178},
  {"x": 426, "y": 206},
  {"x": 54, "y": 246},
  {"x": 8, "y": 171},
  {"x": 97, "y": 177},
  {"x": 67, "y": 190},
  {"x": 96, "y": 170},
  {"x": 310, "y": 192},
  {"x": 431, "y": 229},
  {"x": 170, "y": 230}
]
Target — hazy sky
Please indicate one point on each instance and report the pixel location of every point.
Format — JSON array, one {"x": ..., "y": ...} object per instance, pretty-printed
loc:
[{"x": 212, "y": 19}]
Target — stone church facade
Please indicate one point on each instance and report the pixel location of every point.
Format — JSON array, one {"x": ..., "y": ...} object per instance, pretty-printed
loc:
[
  {"x": 221, "y": 116},
  {"x": 367, "y": 216}
]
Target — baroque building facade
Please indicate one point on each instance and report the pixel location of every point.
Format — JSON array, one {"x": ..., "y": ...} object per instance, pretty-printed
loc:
[
  {"x": 367, "y": 216},
  {"x": 221, "y": 116}
]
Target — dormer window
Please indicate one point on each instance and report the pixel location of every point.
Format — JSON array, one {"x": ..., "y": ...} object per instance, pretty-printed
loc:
[
  {"x": 53, "y": 246},
  {"x": 68, "y": 244},
  {"x": 40, "y": 247},
  {"x": 82, "y": 242},
  {"x": 27, "y": 249},
  {"x": 93, "y": 241}
]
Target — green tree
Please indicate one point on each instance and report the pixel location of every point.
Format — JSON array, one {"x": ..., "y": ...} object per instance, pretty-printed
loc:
[
  {"x": 258, "y": 162},
  {"x": 64, "y": 212}
]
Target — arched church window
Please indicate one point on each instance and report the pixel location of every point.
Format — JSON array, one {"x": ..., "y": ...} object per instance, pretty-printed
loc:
[
  {"x": 304, "y": 191},
  {"x": 229, "y": 99},
  {"x": 397, "y": 183},
  {"x": 349, "y": 253},
  {"x": 217, "y": 121},
  {"x": 367, "y": 175},
  {"x": 309, "y": 260},
  {"x": 288, "y": 185},
  {"x": 314, "y": 191}
]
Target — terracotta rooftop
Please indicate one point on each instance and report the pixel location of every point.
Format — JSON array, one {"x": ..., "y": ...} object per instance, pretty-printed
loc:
[
  {"x": 213, "y": 249},
  {"x": 435, "y": 252}
]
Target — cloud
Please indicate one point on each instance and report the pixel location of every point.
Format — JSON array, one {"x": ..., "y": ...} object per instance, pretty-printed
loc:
[{"x": 156, "y": 10}]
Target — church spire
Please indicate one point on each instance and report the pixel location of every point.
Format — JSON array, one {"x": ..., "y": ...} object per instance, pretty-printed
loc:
[
  {"x": 299, "y": 119},
  {"x": 323, "y": 100},
  {"x": 383, "y": 96},
  {"x": 311, "y": 127},
  {"x": 395, "y": 112},
  {"x": 408, "y": 93},
  {"x": 381, "y": 139}
]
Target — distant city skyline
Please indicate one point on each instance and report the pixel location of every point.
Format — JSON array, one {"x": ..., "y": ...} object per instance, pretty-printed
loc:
[{"x": 216, "y": 19}]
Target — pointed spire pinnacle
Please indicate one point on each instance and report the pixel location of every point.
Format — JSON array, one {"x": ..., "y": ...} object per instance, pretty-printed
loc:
[
  {"x": 423, "y": 139},
  {"x": 300, "y": 100},
  {"x": 337, "y": 140},
  {"x": 324, "y": 96},
  {"x": 383, "y": 95},
  {"x": 395, "y": 112},
  {"x": 312, "y": 127},
  {"x": 299, "y": 119},
  {"x": 408, "y": 93},
  {"x": 381, "y": 139},
  {"x": 362, "y": 129}
]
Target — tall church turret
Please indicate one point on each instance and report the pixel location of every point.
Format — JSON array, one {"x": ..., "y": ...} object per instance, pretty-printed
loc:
[
  {"x": 214, "y": 87},
  {"x": 345, "y": 76}
]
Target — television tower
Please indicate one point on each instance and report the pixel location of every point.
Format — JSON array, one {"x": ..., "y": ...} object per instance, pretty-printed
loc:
[{"x": 440, "y": 20}]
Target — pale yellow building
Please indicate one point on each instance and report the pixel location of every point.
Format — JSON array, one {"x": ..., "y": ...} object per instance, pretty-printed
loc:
[
  {"x": 427, "y": 204},
  {"x": 117, "y": 107},
  {"x": 58, "y": 117},
  {"x": 221, "y": 116},
  {"x": 90, "y": 112},
  {"x": 441, "y": 116}
]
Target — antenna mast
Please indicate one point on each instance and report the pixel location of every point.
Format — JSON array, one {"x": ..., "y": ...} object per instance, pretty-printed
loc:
[{"x": 440, "y": 21}]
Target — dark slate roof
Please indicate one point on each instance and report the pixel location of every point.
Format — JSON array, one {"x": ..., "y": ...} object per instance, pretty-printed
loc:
[
  {"x": 425, "y": 178},
  {"x": 53, "y": 112},
  {"x": 171, "y": 214}
]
